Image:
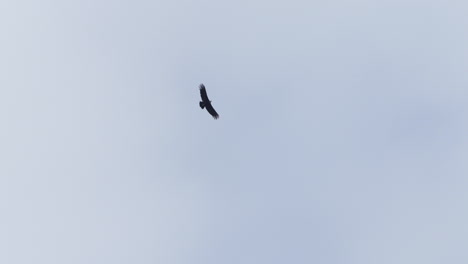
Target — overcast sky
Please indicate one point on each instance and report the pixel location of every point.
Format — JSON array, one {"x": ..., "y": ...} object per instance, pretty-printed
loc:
[{"x": 342, "y": 138}]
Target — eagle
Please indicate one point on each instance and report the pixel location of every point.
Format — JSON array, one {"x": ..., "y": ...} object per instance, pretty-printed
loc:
[{"x": 206, "y": 103}]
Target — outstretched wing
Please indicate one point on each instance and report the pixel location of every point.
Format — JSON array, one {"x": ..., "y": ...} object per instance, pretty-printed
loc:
[
  {"x": 203, "y": 94},
  {"x": 211, "y": 110}
]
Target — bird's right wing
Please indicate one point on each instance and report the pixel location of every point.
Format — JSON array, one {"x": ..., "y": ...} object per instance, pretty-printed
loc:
[{"x": 212, "y": 112}]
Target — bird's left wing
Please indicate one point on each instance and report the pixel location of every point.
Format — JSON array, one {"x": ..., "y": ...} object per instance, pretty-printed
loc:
[{"x": 203, "y": 94}]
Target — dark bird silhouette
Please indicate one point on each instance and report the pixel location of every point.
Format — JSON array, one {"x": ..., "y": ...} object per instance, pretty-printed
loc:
[{"x": 206, "y": 103}]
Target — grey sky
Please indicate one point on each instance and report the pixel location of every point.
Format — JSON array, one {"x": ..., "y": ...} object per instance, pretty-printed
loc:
[{"x": 342, "y": 135}]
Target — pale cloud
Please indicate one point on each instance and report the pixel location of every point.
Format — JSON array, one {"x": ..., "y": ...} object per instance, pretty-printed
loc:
[{"x": 341, "y": 138}]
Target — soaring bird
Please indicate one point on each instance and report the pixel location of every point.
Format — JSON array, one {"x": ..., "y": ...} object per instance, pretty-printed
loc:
[{"x": 206, "y": 103}]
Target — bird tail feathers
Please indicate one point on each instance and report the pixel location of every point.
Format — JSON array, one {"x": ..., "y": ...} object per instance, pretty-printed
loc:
[{"x": 202, "y": 105}]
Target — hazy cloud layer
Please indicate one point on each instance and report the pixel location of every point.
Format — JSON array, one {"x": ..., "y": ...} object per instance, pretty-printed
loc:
[{"x": 342, "y": 135}]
